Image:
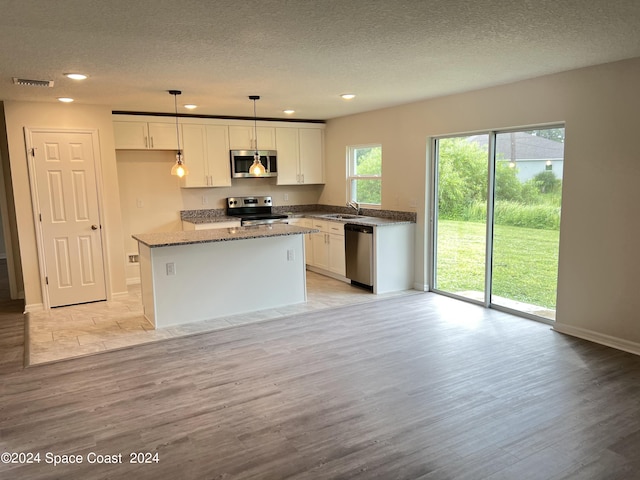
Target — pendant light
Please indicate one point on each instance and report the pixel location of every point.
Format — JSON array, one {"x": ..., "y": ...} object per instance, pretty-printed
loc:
[
  {"x": 179, "y": 169},
  {"x": 256, "y": 168}
]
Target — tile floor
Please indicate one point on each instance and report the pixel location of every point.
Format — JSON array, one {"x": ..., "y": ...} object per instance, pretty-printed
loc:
[{"x": 101, "y": 326}]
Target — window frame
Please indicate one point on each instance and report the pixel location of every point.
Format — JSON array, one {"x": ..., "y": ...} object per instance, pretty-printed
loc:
[{"x": 351, "y": 177}]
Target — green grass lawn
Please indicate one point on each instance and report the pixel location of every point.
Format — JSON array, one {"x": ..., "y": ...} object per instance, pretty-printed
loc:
[{"x": 525, "y": 261}]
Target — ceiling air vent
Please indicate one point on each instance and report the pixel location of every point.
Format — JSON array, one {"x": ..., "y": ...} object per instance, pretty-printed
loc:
[{"x": 32, "y": 83}]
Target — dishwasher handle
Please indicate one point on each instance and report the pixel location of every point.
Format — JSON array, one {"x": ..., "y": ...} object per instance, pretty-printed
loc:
[{"x": 352, "y": 227}]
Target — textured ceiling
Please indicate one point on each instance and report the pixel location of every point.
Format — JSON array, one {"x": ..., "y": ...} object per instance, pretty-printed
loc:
[{"x": 299, "y": 54}]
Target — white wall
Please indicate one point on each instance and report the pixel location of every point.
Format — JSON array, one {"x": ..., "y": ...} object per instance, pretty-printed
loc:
[
  {"x": 599, "y": 261},
  {"x": 54, "y": 115}
]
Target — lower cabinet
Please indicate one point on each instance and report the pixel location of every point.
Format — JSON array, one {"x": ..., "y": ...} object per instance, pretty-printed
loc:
[{"x": 328, "y": 247}]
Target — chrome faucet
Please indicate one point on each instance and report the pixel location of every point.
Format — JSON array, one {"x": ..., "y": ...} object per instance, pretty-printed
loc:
[{"x": 353, "y": 204}]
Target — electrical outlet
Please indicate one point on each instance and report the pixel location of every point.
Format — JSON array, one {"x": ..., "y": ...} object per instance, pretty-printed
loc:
[
  {"x": 291, "y": 255},
  {"x": 139, "y": 203},
  {"x": 171, "y": 268},
  {"x": 205, "y": 200},
  {"x": 286, "y": 197}
]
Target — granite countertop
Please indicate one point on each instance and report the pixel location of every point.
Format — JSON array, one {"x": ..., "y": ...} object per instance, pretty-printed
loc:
[
  {"x": 372, "y": 217},
  {"x": 349, "y": 218},
  {"x": 167, "y": 239}
]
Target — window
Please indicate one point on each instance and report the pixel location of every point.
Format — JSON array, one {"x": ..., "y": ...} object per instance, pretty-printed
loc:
[{"x": 364, "y": 183}]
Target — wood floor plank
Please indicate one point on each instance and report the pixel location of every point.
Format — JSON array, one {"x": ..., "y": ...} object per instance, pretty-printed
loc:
[{"x": 420, "y": 387}]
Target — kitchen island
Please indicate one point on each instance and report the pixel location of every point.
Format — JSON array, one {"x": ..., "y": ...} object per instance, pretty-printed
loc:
[{"x": 191, "y": 276}]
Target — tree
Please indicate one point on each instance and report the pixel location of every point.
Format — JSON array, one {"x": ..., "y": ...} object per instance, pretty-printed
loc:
[
  {"x": 547, "y": 182},
  {"x": 368, "y": 161},
  {"x": 462, "y": 171}
]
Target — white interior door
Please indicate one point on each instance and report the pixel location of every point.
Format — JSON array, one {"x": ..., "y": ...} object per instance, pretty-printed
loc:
[{"x": 67, "y": 210}]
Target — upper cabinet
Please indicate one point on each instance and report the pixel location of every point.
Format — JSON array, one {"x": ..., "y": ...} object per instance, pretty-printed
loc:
[
  {"x": 300, "y": 155},
  {"x": 206, "y": 155},
  {"x": 206, "y": 142},
  {"x": 145, "y": 136},
  {"x": 242, "y": 137}
]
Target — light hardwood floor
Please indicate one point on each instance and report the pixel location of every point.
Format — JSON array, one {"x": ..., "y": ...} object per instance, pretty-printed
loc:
[{"x": 419, "y": 387}]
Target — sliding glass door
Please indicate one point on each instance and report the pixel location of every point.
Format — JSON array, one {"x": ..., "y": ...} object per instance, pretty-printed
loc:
[
  {"x": 497, "y": 218},
  {"x": 460, "y": 226}
]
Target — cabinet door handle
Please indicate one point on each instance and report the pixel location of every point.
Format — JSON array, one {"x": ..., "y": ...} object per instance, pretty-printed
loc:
[
  {"x": 151, "y": 141},
  {"x": 302, "y": 176},
  {"x": 146, "y": 143}
]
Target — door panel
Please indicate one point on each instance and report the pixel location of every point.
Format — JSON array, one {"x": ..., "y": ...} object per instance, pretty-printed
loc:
[
  {"x": 526, "y": 231},
  {"x": 460, "y": 227},
  {"x": 67, "y": 202}
]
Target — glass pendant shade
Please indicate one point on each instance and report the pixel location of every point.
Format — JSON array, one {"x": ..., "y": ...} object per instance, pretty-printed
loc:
[
  {"x": 257, "y": 168},
  {"x": 179, "y": 169}
]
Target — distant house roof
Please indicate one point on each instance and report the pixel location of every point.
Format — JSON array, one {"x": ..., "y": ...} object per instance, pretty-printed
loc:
[{"x": 527, "y": 146}]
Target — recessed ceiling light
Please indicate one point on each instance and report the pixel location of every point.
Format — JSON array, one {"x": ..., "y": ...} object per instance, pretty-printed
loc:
[
  {"x": 65, "y": 99},
  {"x": 75, "y": 76},
  {"x": 348, "y": 96},
  {"x": 289, "y": 111},
  {"x": 190, "y": 106}
]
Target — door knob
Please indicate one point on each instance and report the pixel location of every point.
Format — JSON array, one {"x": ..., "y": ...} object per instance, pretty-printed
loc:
[{"x": 94, "y": 227}]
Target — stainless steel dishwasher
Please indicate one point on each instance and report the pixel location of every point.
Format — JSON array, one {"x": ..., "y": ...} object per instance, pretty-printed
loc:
[{"x": 358, "y": 244}]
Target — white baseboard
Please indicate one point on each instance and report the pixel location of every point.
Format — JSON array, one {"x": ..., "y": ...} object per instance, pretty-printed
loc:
[
  {"x": 327, "y": 273},
  {"x": 34, "y": 307},
  {"x": 116, "y": 295},
  {"x": 602, "y": 339},
  {"x": 133, "y": 281},
  {"x": 421, "y": 287}
]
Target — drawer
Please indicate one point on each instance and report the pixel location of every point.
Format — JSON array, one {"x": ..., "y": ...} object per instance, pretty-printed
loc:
[
  {"x": 335, "y": 228},
  {"x": 320, "y": 225}
]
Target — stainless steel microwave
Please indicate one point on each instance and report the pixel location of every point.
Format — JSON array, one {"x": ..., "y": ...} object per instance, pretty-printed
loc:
[{"x": 241, "y": 160}]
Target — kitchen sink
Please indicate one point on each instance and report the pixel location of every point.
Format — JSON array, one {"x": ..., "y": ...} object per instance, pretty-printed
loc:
[{"x": 341, "y": 216}]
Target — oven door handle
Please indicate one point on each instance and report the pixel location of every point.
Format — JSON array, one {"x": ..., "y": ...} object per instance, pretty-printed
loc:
[{"x": 249, "y": 223}]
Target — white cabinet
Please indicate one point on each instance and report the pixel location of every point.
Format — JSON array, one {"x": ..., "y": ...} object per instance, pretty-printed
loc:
[
  {"x": 337, "y": 263},
  {"x": 288, "y": 149},
  {"x": 300, "y": 155},
  {"x": 328, "y": 246},
  {"x": 145, "y": 136},
  {"x": 335, "y": 237},
  {"x": 242, "y": 137},
  {"x": 308, "y": 245},
  {"x": 206, "y": 155},
  {"x": 320, "y": 250},
  {"x": 311, "y": 155}
]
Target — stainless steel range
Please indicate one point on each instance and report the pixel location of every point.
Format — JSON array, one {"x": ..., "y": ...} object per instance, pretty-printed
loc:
[{"x": 254, "y": 210}]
